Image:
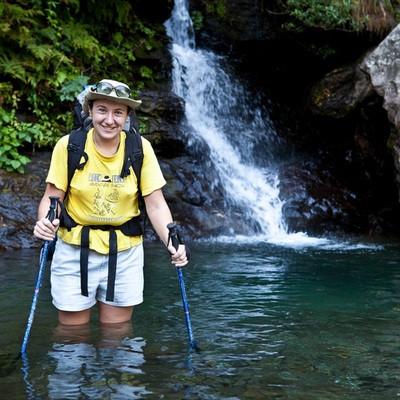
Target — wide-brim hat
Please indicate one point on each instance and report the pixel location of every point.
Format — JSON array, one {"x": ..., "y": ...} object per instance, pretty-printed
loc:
[{"x": 92, "y": 94}]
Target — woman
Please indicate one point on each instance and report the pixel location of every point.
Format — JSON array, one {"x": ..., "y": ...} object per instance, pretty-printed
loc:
[{"x": 100, "y": 201}]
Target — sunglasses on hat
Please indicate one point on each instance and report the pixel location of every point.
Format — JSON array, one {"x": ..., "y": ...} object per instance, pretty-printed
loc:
[{"x": 107, "y": 88}]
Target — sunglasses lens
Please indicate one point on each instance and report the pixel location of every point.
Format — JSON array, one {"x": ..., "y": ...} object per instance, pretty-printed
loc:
[
  {"x": 122, "y": 91},
  {"x": 106, "y": 88}
]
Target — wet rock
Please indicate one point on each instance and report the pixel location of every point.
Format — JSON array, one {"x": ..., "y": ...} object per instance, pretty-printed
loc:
[
  {"x": 383, "y": 67},
  {"x": 339, "y": 92},
  {"x": 19, "y": 199}
]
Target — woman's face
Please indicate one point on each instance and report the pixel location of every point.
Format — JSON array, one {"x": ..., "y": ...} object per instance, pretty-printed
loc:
[{"x": 108, "y": 118}]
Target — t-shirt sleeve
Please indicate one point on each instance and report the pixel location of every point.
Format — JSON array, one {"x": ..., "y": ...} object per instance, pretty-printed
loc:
[
  {"x": 58, "y": 171},
  {"x": 151, "y": 176}
]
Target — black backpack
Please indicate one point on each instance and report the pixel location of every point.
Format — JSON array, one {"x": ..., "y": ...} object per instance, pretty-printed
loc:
[
  {"x": 133, "y": 153},
  {"x": 77, "y": 140},
  {"x": 133, "y": 158}
]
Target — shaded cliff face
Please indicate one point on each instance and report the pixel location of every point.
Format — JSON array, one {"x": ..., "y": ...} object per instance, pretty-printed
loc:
[
  {"x": 382, "y": 66},
  {"x": 340, "y": 173}
]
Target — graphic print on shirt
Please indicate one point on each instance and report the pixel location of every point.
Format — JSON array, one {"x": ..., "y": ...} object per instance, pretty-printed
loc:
[{"x": 106, "y": 199}]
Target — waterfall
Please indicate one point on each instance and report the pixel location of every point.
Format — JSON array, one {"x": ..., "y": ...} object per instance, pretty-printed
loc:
[{"x": 235, "y": 126}]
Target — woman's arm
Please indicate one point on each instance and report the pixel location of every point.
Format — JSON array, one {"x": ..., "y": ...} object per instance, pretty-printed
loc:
[{"x": 160, "y": 216}]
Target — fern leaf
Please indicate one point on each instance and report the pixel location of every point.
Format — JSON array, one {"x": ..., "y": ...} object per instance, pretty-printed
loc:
[{"x": 12, "y": 66}]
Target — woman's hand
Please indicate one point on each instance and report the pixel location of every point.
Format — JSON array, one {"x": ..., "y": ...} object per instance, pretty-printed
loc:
[
  {"x": 46, "y": 230},
  {"x": 178, "y": 257}
]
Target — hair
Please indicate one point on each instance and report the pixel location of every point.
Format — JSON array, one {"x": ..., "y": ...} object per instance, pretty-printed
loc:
[{"x": 90, "y": 104}]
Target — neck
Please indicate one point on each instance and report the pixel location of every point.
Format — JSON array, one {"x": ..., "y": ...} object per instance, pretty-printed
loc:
[{"x": 107, "y": 147}]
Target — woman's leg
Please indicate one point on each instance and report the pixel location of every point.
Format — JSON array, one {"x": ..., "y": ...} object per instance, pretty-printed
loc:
[
  {"x": 73, "y": 308},
  {"x": 113, "y": 315},
  {"x": 74, "y": 317},
  {"x": 129, "y": 284}
]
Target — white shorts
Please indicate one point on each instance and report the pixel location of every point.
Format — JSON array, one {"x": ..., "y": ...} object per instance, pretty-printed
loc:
[{"x": 66, "y": 278}]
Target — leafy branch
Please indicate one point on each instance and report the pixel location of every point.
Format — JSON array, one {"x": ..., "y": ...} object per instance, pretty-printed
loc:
[{"x": 50, "y": 49}]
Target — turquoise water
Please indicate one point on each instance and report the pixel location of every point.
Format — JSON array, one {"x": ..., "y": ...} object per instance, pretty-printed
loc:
[{"x": 272, "y": 322}]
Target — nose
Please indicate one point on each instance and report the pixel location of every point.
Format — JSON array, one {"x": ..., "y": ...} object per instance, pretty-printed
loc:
[{"x": 109, "y": 117}]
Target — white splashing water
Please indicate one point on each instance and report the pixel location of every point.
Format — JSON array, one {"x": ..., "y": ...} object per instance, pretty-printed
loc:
[{"x": 222, "y": 114}]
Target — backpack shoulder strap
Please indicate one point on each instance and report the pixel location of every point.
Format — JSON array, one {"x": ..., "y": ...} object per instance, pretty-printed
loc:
[
  {"x": 76, "y": 147},
  {"x": 77, "y": 115},
  {"x": 133, "y": 155}
]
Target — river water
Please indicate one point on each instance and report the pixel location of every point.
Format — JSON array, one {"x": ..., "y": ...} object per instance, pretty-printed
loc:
[{"x": 272, "y": 321}]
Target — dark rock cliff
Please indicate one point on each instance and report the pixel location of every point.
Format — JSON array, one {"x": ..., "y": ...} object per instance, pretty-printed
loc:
[{"x": 338, "y": 114}]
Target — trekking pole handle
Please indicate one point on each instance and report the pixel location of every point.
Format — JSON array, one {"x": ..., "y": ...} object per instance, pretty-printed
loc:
[
  {"x": 173, "y": 235},
  {"x": 53, "y": 214}
]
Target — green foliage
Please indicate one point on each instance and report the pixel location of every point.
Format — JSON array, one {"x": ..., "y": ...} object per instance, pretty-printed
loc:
[
  {"x": 50, "y": 49},
  {"x": 72, "y": 87},
  {"x": 16, "y": 134},
  {"x": 197, "y": 19},
  {"x": 146, "y": 72},
  {"x": 326, "y": 14},
  {"x": 376, "y": 17},
  {"x": 323, "y": 51},
  {"x": 143, "y": 124},
  {"x": 7, "y": 96},
  {"x": 13, "y": 135},
  {"x": 217, "y": 7},
  {"x": 50, "y": 128}
]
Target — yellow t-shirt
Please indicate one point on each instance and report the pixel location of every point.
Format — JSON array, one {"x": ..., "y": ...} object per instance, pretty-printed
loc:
[{"x": 98, "y": 195}]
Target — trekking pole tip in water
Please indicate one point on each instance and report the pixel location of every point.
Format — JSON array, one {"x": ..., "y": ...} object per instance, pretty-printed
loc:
[{"x": 173, "y": 237}]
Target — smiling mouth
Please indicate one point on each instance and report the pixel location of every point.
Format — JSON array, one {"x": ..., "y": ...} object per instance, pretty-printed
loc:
[{"x": 109, "y": 128}]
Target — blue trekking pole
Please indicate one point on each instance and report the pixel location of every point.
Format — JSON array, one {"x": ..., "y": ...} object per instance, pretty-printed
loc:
[
  {"x": 51, "y": 215},
  {"x": 173, "y": 237}
]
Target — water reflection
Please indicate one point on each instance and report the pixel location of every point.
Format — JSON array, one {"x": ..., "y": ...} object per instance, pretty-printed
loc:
[{"x": 83, "y": 366}]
